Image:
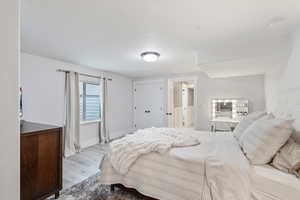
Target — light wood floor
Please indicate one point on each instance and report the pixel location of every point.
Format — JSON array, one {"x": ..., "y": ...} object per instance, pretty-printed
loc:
[{"x": 78, "y": 167}]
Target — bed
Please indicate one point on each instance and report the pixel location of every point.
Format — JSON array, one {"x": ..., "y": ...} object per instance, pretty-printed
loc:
[
  {"x": 272, "y": 184},
  {"x": 216, "y": 169}
]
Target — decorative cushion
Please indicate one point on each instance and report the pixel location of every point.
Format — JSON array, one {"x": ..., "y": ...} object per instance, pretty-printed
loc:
[
  {"x": 264, "y": 138},
  {"x": 246, "y": 122},
  {"x": 288, "y": 158}
]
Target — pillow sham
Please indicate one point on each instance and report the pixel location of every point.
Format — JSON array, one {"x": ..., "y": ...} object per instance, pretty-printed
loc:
[
  {"x": 288, "y": 158},
  {"x": 265, "y": 117},
  {"x": 264, "y": 138},
  {"x": 246, "y": 122}
]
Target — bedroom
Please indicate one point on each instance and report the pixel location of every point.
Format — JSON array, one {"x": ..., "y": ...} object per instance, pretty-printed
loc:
[{"x": 232, "y": 52}]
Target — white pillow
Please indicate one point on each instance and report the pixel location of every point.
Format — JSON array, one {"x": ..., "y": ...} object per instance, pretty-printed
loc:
[
  {"x": 264, "y": 138},
  {"x": 246, "y": 122},
  {"x": 265, "y": 117}
]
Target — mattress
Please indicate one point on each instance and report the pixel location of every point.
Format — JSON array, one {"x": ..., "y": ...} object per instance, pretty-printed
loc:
[{"x": 272, "y": 184}]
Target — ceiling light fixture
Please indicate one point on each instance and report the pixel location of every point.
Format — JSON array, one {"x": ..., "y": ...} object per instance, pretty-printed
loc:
[
  {"x": 150, "y": 56},
  {"x": 275, "y": 21}
]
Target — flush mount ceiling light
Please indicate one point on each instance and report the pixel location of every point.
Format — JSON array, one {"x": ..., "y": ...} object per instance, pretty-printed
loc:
[
  {"x": 150, "y": 56},
  {"x": 276, "y": 21}
]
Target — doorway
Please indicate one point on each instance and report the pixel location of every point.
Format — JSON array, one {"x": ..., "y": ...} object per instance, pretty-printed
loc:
[{"x": 182, "y": 102}]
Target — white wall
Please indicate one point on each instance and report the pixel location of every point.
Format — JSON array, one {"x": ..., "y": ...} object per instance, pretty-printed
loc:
[
  {"x": 283, "y": 86},
  {"x": 43, "y": 96},
  {"x": 272, "y": 83},
  {"x": 248, "y": 87},
  {"x": 9, "y": 87},
  {"x": 120, "y": 110},
  {"x": 284, "y": 80}
]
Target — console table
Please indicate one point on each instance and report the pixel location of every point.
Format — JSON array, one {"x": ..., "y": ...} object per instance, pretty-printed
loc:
[{"x": 41, "y": 161}]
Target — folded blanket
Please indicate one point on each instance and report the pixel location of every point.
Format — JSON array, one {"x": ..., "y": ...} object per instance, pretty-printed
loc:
[{"x": 125, "y": 151}]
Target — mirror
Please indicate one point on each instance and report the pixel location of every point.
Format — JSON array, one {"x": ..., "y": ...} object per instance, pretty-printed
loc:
[{"x": 229, "y": 109}]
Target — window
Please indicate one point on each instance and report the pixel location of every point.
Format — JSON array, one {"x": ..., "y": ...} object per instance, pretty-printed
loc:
[{"x": 89, "y": 101}]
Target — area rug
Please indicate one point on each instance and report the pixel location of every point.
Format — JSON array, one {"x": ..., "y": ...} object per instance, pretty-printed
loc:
[{"x": 91, "y": 189}]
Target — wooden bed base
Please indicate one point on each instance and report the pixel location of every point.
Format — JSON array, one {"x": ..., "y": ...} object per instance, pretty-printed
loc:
[{"x": 131, "y": 190}]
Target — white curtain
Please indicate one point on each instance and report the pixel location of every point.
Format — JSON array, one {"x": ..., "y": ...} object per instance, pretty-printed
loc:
[
  {"x": 103, "y": 131},
  {"x": 72, "y": 114}
]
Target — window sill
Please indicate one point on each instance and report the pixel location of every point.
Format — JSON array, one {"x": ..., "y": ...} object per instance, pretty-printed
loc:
[{"x": 90, "y": 122}]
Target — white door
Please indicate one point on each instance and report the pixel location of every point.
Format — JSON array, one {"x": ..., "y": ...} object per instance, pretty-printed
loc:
[{"x": 148, "y": 106}]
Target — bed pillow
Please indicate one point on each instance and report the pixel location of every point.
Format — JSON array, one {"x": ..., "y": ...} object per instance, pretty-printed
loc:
[
  {"x": 246, "y": 122},
  {"x": 264, "y": 138},
  {"x": 265, "y": 117},
  {"x": 288, "y": 158}
]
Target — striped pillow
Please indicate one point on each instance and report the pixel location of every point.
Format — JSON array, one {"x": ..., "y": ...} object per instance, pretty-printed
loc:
[
  {"x": 264, "y": 138},
  {"x": 265, "y": 117},
  {"x": 288, "y": 158},
  {"x": 246, "y": 122}
]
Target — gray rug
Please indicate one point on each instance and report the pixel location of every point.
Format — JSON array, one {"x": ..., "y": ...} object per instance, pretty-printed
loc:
[{"x": 91, "y": 189}]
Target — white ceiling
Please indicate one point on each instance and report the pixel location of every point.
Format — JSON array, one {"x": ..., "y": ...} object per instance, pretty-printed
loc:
[{"x": 222, "y": 38}]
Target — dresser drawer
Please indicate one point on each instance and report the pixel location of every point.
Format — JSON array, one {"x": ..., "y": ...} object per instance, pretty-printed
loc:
[{"x": 41, "y": 164}]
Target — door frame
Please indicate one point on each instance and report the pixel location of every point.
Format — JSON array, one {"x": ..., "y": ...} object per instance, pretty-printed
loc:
[
  {"x": 170, "y": 99},
  {"x": 143, "y": 82}
]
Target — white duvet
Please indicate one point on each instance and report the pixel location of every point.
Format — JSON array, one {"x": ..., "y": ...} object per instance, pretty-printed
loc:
[
  {"x": 125, "y": 151},
  {"x": 216, "y": 169}
]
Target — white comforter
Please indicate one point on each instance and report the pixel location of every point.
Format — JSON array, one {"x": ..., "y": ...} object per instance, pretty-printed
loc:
[
  {"x": 214, "y": 170},
  {"x": 125, "y": 151}
]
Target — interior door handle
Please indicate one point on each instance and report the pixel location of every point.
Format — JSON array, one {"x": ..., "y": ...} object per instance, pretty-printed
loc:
[
  {"x": 168, "y": 113},
  {"x": 147, "y": 111}
]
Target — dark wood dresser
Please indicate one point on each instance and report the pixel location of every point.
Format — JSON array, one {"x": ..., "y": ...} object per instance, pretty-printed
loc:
[{"x": 41, "y": 161}]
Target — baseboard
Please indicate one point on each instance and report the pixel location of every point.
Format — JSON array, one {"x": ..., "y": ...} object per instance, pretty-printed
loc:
[
  {"x": 90, "y": 142},
  {"x": 118, "y": 134},
  {"x": 113, "y": 135}
]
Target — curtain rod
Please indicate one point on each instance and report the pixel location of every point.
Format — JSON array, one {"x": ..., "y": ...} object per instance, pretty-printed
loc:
[{"x": 88, "y": 75}]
